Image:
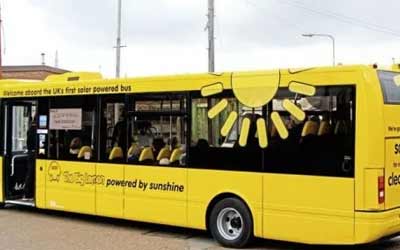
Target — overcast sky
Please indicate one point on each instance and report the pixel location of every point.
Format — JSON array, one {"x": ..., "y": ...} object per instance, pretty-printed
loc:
[{"x": 168, "y": 37}]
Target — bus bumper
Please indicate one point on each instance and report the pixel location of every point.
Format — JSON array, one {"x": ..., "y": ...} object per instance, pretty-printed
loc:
[{"x": 374, "y": 225}]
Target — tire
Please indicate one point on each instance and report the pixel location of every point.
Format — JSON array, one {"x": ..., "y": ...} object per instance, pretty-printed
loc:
[{"x": 231, "y": 223}]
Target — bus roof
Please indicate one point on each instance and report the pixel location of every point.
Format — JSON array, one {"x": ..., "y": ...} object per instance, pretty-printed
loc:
[{"x": 81, "y": 83}]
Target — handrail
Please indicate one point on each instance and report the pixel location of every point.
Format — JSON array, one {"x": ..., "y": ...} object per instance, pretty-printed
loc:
[{"x": 13, "y": 159}]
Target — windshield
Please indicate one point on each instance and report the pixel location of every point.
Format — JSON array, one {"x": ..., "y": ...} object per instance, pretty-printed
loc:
[{"x": 391, "y": 91}]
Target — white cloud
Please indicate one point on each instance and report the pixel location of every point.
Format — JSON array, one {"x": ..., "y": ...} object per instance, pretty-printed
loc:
[{"x": 167, "y": 36}]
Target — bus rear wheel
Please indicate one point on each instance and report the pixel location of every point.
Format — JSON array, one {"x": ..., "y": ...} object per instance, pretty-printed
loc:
[{"x": 231, "y": 223}]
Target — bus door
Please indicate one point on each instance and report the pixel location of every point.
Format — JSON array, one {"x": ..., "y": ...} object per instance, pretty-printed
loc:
[{"x": 20, "y": 142}]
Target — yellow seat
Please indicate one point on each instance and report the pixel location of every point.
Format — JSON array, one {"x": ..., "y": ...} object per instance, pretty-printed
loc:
[
  {"x": 324, "y": 128},
  {"x": 310, "y": 128},
  {"x": 132, "y": 149},
  {"x": 146, "y": 154},
  {"x": 164, "y": 153},
  {"x": 116, "y": 153},
  {"x": 176, "y": 155},
  {"x": 85, "y": 152}
]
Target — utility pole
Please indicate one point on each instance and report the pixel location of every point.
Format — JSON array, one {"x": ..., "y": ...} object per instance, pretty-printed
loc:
[
  {"x": 118, "y": 47},
  {"x": 211, "y": 37}
]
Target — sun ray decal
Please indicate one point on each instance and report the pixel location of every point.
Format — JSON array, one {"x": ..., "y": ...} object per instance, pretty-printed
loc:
[
  {"x": 279, "y": 125},
  {"x": 262, "y": 133},
  {"x": 256, "y": 91},
  {"x": 230, "y": 121},
  {"x": 244, "y": 132},
  {"x": 218, "y": 108},
  {"x": 212, "y": 89}
]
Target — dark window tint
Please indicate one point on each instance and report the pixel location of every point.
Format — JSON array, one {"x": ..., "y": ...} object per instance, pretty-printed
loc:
[
  {"x": 322, "y": 144},
  {"x": 210, "y": 149},
  {"x": 157, "y": 130},
  {"x": 113, "y": 128},
  {"x": 72, "y": 128}
]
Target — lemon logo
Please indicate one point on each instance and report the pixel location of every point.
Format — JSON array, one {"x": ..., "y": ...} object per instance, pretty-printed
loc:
[
  {"x": 54, "y": 171},
  {"x": 255, "y": 91}
]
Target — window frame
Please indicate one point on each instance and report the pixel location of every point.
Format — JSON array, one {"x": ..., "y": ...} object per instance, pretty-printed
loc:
[
  {"x": 184, "y": 113},
  {"x": 352, "y": 112},
  {"x": 381, "y": 75},
  {"x": 258, "y": 168},
  {"x": 54, "y": 102},
  {"x": 101, "y": 100}
]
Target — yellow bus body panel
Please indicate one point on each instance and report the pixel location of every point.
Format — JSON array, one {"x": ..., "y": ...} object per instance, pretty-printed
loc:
[
  {"x": 40, "y": 183},
  {"x": 308, "y": 209},
  {"x": 392, "y": 156},
  {"x": 372, "y": 226},
  {"x": 369, "y": 139},
  {"x": 110, "y": 199},
  {"x": 146, "y": 202},
  {"x": 73, "y": 190}
]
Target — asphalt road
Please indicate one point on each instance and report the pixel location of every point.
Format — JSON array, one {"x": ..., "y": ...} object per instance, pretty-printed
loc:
[{"x": 28, "y": 228}]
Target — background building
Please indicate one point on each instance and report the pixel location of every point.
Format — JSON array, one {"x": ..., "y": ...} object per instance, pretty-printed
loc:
[{"x": 30, "y": 72}]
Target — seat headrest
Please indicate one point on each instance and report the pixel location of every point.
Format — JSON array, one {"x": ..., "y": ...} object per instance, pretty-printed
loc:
[
  {"x": 146, "y": 154},
  {"x": 134, "y": 148},
  {"x": 324, "y": 128},
  {"x": 85, "y": 152},
  {"x": 310, "y": 128},
  {"x": 175, "y": 156},
  {"x": 116, "y": 153},
  {"x": 164, "y": 153}
]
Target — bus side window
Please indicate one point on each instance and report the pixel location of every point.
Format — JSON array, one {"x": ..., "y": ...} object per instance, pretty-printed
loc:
[
  {"x": 72, "y": 128},
  {"x": 214, "y": 149},
  {"x": 157, "y": 130},
  {"x": 322, "y": 144},
  {"x": 113, "y": 129}
]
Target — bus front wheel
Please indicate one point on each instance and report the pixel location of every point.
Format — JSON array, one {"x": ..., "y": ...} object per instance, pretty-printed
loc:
[{"x": 231, "y": 223}]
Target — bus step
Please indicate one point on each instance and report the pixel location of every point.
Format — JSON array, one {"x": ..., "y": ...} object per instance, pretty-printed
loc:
[{"x": 21, "y": 202}]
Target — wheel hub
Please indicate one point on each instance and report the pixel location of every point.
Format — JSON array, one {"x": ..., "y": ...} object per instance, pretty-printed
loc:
[{"x": 229, "y": 223}]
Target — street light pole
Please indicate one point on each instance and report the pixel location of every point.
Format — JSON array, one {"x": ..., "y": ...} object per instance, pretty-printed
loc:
[
  {"x": 211, "y": 38},
  {"x": 333, "y": 44}
]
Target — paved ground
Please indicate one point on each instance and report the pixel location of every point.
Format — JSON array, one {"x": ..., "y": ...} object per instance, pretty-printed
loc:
[{"x": 26, "y": 228}]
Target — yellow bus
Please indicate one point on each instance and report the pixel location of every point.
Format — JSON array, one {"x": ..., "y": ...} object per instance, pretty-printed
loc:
[{"x": 303, "y": 155}]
